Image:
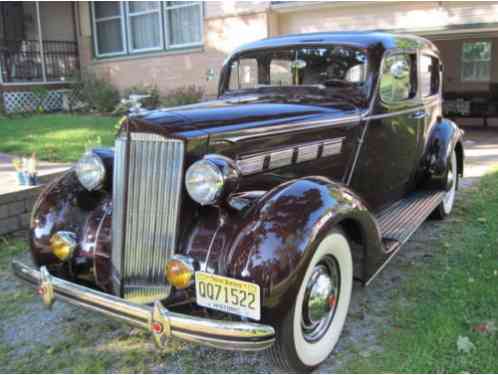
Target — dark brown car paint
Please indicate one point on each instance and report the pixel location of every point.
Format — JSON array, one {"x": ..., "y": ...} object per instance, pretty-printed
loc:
[{"x": 271, "y": 240}]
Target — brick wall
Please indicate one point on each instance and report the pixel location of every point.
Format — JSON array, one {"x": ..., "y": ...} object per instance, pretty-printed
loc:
[
  {"x": 15, "y": 210},
  {"x": 15, "y": 207}
]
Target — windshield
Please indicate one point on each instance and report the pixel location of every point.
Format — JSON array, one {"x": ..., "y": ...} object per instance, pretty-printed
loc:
[{"x": 323, "y": 67}]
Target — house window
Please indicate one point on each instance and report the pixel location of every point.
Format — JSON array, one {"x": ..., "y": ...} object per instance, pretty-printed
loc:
[
  {"x": 144, "y": 24},
  {"x": 183, "y": 21},
  {"x": 108, "y": 26},
  {"x": 136, "y": 26},
  {"x": 476, "y": 61}
]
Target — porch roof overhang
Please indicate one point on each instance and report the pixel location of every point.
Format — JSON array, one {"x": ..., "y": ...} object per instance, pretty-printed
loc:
[
  {"x": 293, "y": 6},
  {"x": 454, "y": 20}
]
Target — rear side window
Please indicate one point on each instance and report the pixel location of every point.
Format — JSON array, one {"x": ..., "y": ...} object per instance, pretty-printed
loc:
[
  {"x": 398, "y": 81},
  {"x": 429, "y": 75}
]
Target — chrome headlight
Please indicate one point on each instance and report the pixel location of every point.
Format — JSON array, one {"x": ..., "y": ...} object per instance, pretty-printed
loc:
[
  {"x": 90, "y": 170},
  {"x": 211, "y": 179}
]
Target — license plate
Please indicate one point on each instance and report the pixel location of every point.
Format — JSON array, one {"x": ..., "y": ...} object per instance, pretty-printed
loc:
[{"x": 228, "y": 295}]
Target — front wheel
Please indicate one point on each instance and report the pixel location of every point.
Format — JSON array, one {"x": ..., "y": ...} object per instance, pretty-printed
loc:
[
  {"x": 311, "y": 329},
  {"x": 446, "y": 206}
]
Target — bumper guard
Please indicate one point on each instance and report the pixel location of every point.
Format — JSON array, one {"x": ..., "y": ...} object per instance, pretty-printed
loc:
[{"x": 156, "y": 319}]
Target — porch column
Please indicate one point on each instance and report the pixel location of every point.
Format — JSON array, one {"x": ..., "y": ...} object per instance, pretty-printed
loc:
[{"x": 40, "y": 40}]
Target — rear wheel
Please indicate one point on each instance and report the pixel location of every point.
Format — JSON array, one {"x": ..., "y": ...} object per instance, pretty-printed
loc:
[
  {"x": 311, "y": 329},
  {"x": 446, "y": 206}
]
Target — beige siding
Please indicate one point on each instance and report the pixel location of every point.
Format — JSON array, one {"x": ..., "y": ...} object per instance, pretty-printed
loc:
[
  {"x": 410, "y": 15},
  {"x": 217, "y": 9}
]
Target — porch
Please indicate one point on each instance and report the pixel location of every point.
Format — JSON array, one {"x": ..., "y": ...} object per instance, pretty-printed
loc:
[{"x": 38, "y": 48}]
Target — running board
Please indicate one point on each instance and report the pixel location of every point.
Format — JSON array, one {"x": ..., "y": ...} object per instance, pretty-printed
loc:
[{"x": 400, "y": 220}]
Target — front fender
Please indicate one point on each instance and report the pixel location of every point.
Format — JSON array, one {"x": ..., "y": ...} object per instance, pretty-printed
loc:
[
  {"x": 65, "y": 205},
  {"x": 276, "y": 241},
  {"x": 443, "y": 139}
]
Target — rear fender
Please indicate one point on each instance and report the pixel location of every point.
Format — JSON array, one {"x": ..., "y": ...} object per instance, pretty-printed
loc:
[{"x": 443, "y": 139}]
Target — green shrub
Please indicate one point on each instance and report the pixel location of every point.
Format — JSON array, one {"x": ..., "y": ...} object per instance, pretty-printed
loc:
[
  {"x": 99, "y": 94},
  {"x": 40, "y": 94},
  {"x": 183, "y": 96}
]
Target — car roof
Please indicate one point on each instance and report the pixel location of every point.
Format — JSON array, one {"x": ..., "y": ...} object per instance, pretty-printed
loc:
[{"x": 359, "y": 39}]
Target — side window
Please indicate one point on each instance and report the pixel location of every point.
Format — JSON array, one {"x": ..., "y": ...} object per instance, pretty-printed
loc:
[
  {"x": 429, "y": 75},
  {"x": 280, "y": 73},
  {"x": 243, "y": 74},
  {"x": 399, "y": 78}
]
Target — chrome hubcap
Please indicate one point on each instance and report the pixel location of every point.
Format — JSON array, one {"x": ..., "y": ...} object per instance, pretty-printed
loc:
[{"x": 320, "y": 299}]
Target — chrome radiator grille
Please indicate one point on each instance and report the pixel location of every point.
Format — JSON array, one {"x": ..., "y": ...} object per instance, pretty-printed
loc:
[{"x": 146, "y": 202}]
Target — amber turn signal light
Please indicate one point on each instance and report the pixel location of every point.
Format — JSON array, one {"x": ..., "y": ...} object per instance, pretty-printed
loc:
[
  {"x": 180, "y": 272},
  {"x": 63, "y": 244}
]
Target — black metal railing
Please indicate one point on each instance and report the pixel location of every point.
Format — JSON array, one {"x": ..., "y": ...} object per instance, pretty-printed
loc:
[{"x": 22, "y": 60}]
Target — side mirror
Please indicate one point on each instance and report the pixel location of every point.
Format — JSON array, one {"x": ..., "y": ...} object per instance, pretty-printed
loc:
[{"x": 399, "y": 69}]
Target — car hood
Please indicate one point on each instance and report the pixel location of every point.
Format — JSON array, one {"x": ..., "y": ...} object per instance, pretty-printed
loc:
[{"x": 222, "y": 116}]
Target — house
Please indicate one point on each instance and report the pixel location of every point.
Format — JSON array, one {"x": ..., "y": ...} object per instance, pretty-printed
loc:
[{"x": 172, "y": 44}]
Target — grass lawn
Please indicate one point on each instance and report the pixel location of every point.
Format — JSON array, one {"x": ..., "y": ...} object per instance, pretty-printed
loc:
[
  {"x": 445, "y": 319},
  {"x": 55, "y": 137}
]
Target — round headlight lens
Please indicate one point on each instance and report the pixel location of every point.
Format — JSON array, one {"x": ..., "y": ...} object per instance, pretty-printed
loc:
[
  {"x": 90, "y": 170},
  {"x": 204, "y": 182}
]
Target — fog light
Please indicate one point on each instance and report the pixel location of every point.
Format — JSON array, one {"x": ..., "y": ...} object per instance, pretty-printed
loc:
[
  {"x": 180, "y": 271},
  {"x": 63, "y": 244}
]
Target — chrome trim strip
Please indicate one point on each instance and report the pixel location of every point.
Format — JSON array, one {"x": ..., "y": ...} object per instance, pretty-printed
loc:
[
  {"x": 281, "y": 158},
  {"x": 333, "y": 147},
  {"x": 324, "y": 123},
  {"x": 220, "y": 334},
  {"x": 307, "y": 152},
  {"x": 118, "y": 211},
  {"x": 250, "y": 164},
  {"x": 403, "y": 112},
  {"x": 305, "y": 125},
  {"x": 245, "y": 346}
]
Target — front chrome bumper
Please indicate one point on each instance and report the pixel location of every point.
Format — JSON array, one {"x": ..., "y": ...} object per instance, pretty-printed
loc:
[{"x": 161, "y": 322}]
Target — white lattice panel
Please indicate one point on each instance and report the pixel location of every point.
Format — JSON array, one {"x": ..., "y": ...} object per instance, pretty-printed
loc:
[{"x": 26, "y": 101}]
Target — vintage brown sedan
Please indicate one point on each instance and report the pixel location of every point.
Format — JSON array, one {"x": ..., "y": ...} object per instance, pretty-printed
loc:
[{"x": 241, "y": 223}]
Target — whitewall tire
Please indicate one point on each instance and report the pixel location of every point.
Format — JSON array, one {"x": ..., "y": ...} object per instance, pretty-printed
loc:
[
  {"x": 310, "y": 331},
  {"x": 446, "y": 206}
]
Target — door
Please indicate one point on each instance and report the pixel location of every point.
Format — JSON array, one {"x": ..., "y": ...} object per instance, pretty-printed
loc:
[{"x": 389, "y": 154}]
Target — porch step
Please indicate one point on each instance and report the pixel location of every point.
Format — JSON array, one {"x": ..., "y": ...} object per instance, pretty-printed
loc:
[{"x": 401, "y": 219}]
